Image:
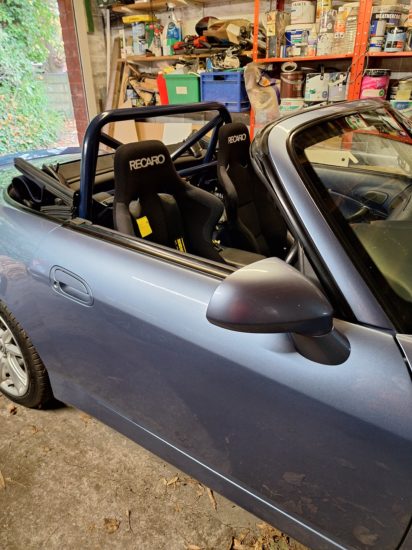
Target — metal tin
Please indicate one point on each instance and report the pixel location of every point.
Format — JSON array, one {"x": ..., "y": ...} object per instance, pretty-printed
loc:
[
  {"x": 297, "y": 35},
  {"x": 291, "y": 85},
  {"x": 376, "y": 43},
  {"x": 395, "y": 39}
]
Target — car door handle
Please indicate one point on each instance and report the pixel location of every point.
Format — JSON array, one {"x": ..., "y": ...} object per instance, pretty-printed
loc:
[{"x": 70, "y": 285}]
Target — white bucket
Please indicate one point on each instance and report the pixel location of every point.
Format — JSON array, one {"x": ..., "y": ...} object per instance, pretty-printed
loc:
[{"x": 303, "y": 12}]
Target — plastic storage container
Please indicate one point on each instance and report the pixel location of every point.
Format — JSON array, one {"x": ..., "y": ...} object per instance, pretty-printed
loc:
[
  {"x": 182, "y": 88},
  {"x": 227, "y": 87},
  {"x": 161, "y": 86}
]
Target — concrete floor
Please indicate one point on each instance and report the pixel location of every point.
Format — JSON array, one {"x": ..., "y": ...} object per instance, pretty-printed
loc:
[{"x": 69, "y": 482}]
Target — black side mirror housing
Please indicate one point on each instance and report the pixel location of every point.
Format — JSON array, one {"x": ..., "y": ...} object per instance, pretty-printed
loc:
[{"x": 270, "y": 296}]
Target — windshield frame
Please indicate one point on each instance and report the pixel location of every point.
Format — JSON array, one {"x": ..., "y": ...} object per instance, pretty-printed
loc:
[{"x": 398, "y": 309}]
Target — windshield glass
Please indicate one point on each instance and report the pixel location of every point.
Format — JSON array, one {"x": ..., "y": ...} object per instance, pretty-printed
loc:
[{"x": 360, "y": 167}]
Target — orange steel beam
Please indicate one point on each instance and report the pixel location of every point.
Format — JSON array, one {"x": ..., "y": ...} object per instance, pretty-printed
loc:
[
  {"x": 255, "y": 51},
  {"x": 360, "y": 49}
]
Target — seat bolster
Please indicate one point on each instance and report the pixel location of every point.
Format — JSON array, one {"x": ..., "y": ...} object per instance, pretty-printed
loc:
[
  {"x": 201, "y": 212},
  {"x": 230, "y": 194},
  {"x": 121, "y": 218}
]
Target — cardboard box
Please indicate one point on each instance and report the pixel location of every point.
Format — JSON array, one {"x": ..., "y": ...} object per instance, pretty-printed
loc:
[
  {"x": 276, "y": 22},
  {"x": 226, "y": 30}
]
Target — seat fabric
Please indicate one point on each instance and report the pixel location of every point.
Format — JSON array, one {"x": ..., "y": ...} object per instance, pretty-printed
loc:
[
  {"x": 148, "y": 187},
  {"x": 254, "y": 222}
]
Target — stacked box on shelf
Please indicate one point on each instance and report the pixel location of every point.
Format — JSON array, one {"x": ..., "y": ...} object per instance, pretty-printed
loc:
[
  {"x": 227, "y": 87},
  {"x": 182, "y": 88}
]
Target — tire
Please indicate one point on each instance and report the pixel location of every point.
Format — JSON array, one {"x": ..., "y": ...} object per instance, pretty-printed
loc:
[{"x": 23, "y": 377}]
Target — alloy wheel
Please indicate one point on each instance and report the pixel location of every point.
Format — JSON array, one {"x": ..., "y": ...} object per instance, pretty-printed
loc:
[{"x": 14, "y": 379}]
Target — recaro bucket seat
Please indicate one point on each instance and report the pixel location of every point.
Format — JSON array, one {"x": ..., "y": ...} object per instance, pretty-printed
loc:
[
  {"x": 254, "y": 222},
  {"x": 152, "y": 201}
]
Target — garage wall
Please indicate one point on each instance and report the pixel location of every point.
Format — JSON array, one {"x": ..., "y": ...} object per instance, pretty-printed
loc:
[{"x": 189, "y": 17}]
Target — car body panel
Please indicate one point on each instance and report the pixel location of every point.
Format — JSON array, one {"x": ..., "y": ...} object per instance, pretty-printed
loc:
[
  {"x": 245, "y": 405},
  {"x": 311, "y": 448}
]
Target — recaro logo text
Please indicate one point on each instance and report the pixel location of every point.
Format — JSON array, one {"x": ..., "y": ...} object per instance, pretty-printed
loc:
[
  {"x": 235, "y": 139},
  {"x": 144, "y": 162}
]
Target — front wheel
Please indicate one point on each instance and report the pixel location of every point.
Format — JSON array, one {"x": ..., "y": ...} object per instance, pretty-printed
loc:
[{"x": 23, "y": 377}]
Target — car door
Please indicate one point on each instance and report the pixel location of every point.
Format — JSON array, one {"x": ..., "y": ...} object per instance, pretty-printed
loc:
[{"x": 320, "y": 451}]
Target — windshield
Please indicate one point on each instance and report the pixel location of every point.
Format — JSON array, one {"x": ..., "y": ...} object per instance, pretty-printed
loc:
[{"x": 360, "y": 167}]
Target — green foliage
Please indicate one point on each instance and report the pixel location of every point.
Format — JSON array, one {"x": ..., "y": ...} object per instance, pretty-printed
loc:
[
  {"x": 32, "y": 23},
  {"x": 28, "y": 29}
]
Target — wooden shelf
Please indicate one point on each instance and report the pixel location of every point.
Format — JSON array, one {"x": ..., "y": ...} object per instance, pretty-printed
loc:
[
  {"x": 303, "y": 58},
  {"x": 389, "y": 54},
  {"x": 150, "y": 6},
  {"x": 155, "y": 58},
  {"x": 161, "y": 5}
]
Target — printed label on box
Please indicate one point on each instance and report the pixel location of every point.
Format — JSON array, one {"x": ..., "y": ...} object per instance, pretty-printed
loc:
[{"x": 181, "y": 90}]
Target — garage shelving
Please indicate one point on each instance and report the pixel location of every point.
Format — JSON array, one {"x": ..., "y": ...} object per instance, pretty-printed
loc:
[{"x": 357, "y": 59}]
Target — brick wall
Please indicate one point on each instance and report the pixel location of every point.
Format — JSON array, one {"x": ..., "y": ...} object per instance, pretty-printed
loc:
[{"x": 73, "y": 66}]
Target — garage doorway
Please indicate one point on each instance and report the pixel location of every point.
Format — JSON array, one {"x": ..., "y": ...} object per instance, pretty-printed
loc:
[{"x": 36, "y": 108}]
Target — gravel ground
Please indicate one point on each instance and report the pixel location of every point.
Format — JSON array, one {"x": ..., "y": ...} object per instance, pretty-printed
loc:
[{"x": 69, "y": 482}]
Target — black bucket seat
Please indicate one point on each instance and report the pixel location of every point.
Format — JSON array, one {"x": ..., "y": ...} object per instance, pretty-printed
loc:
[
  {"x": 152, "y": 201},
  {"x": 254, "y": 222}
]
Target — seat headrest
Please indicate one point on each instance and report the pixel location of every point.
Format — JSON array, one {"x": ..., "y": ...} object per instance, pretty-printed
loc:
[
  {"x": 143, "y": 167},
  {"x": 234, "y": 143}
]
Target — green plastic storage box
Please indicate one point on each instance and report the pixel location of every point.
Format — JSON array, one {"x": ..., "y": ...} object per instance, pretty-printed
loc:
[{"x": 183, "y": 88}]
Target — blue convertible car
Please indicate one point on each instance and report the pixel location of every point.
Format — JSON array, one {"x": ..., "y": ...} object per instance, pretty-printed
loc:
[{"x": 243, "y": 311}]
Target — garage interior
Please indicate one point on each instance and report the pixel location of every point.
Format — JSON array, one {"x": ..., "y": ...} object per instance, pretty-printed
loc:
[{"x": 67, "y": 480}]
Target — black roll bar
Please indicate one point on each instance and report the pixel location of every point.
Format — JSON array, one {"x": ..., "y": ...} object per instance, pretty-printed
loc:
[{"x": 93, "y": 137}]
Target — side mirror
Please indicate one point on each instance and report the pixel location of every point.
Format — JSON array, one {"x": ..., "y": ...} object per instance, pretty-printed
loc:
[{"x": 270, "y": 296}]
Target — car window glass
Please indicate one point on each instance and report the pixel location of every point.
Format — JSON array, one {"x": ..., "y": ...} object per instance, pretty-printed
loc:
[{"x": 361, "y": 164}]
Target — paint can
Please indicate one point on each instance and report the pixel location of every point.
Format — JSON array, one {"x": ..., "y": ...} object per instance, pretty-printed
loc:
[
  {"x": 376, "y": 43},
  {"x": 297, "y": 39},
  {"x": 297, "y": 35},
  {"x": 316, "y": 87},
  {"x": 375, "y": 83},
  {"x": 383, "y": 16},
  {"x": 303, "y": 12},
  {"x": 291, "y": 85},
  {"x": 395, "y": 39}
]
